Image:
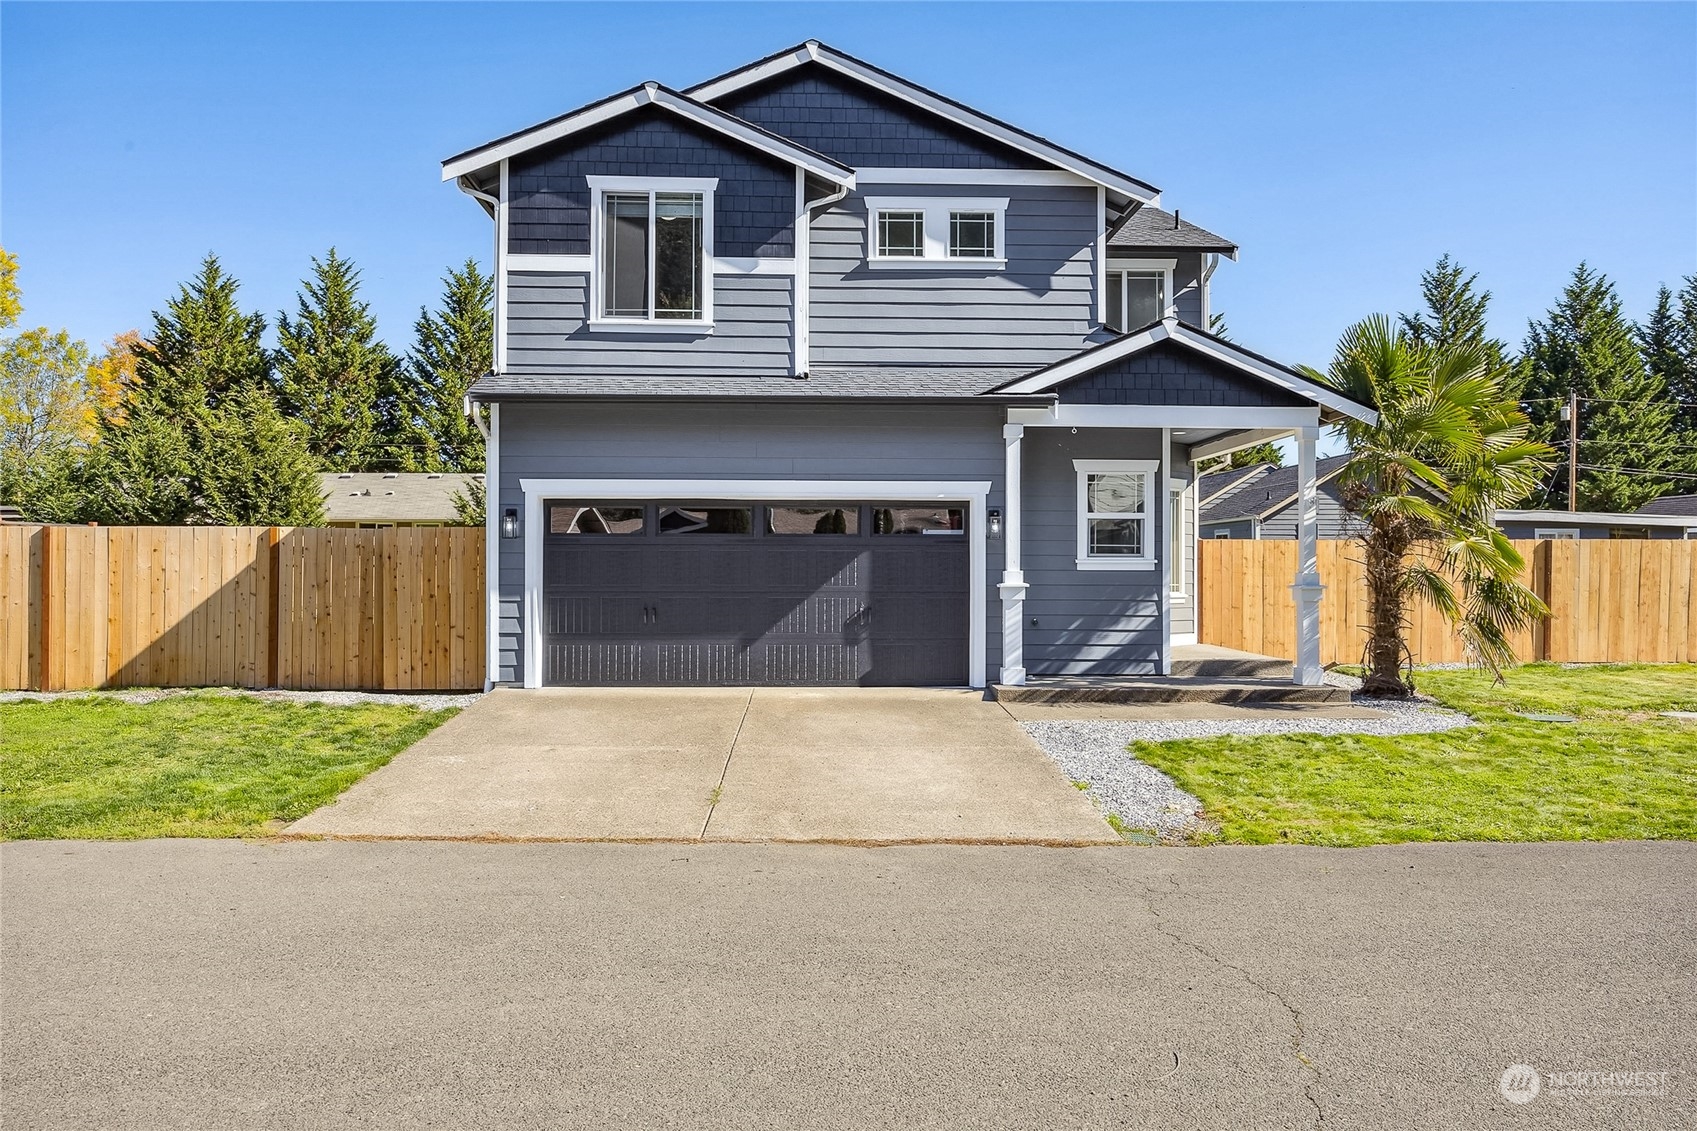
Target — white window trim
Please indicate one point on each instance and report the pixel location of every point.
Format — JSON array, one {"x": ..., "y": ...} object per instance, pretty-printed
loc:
[
  {"x": 1161, "y": 267},
  {"x": 936, "y": 210},
  {"x": 1178, "y": 493},
  {"x": 598, "y": 187},
  {"x": 1083, "y": 469},
  {"x": 1543, "y": 532}
]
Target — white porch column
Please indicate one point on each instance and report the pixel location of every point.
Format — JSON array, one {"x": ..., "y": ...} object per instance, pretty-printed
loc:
[
  {"x": 1013, "y": 586},
  {"x": 1307, "y": 588}
]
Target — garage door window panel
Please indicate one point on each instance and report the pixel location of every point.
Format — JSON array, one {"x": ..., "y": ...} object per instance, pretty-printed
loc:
[
  {"x": 809, "y": 520},
  {"x": 686, "y": 518},
  {"x": 592, "y": 518},
  {"x": 918, "y": 520}
]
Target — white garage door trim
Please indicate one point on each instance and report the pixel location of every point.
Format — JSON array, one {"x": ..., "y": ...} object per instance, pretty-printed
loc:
[{"x": 537, "y": 491}]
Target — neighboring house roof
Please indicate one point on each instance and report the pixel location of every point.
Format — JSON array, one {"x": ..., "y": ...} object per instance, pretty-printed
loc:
[
  {"x": 884, "y": 383},
  {"x": 1264, "y": 495},
  {"x": 1671, "y": 504},
  {"x": 1596, "y": 518},
  {"x": 1217, "y": 483},
  {"x": 814, "y": 52},
  {"x": 648, "y": 94},
  {"x": 387, "y": 496},
  {"x": 1151, "y": 229},
  {"x": 1251, "y": 364}
]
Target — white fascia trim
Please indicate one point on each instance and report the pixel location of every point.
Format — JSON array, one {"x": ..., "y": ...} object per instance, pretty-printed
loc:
[
  {"x": 656, "y": 95},
  {"x": 653, "y": 184},
  {"x": 975, "y": 493},
  {"x": 1165, "y": 416},
  {"x": 557, "y": 264},
  {"x": 1236, "y": 442},
  {"x": 997, "y": 177},
  {"x": 817, "y": 52},
  {"x": 1095, "y": 359}
]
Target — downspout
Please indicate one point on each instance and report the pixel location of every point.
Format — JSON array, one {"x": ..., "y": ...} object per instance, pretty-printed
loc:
[
  {"x": 804, "y": 267},
  {"x": 1213, "y": 262}
]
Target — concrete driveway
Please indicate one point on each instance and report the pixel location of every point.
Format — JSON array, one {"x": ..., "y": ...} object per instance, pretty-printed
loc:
[{"x": 849, "y": 765}]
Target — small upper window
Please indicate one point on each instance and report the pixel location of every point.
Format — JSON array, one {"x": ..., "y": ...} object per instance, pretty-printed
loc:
[
  {"x": 653, "y": 250},
  {"x": 1138, "y": 294},
  {"x": 928, "y": 231},
  {"x": 1115, "y": 520}
]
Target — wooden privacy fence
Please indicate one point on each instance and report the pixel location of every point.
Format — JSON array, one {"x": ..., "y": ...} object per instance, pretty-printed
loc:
[
  {"x": 1610, "y": 602},
  {"x": 141, "y": 606}
]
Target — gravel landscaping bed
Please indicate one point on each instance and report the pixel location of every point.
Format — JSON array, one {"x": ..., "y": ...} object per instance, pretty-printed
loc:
[
  {"x": 1142, "y": 797},
  {"x": 428, "y": 701}
]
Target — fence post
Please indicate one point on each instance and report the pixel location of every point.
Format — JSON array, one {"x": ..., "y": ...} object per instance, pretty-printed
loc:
[
  {"x": 1542, "y": 586},
  {"x": 274, "y": 606},
  {"x": 44, "y": 650}
]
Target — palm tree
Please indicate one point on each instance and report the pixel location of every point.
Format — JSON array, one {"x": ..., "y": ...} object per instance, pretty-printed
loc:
[{"x": 1449, "y": 448}]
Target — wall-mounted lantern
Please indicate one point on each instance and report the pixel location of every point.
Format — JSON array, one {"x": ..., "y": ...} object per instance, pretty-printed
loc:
[
  {"x": 995, "y": 523},
  {"x": 510, "y": 523}
]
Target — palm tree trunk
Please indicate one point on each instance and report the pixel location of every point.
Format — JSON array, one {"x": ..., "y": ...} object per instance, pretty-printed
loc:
[{"x": 1386, "y": 571}]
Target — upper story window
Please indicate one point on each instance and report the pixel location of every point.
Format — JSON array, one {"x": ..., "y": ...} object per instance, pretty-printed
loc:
[
  {"x": 1139, "y": 293},
  {"x": 651, "y": 251},
  {"x": 1116, "y": 522},
  {"x": 919, "y": 232}
]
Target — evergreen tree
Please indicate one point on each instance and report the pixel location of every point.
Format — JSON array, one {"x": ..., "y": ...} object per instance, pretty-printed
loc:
[
  {"x": 1455, "y": 314},
  {"x": 454, "y": 347},
  {"x": 1584, "y": 345},
  {"x": 1682, "y": 378},
  {"x": 196, "y": 438},
  {"x": 333, "y": 373}
]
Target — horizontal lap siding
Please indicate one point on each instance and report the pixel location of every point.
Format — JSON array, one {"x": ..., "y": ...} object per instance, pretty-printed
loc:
[
  {"x": 696, "y": 441},
  {"x": 1334, "y": 520},
  {"x": 548, "y": 332},
  {"x": 1089, "y": 622},
  {"x": 1038, "y": 309}
]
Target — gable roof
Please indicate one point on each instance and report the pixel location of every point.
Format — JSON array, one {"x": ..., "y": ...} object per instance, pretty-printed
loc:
[
  {"x": 648, "y": 94},
  {"x": 1171, "y": 330},
  {"x": 1217, "y": 483},
  {"x": 1671, "y": 504},
  {"x": 816, "y": 53},
  {"x": 1598, "y": 518},
  {"x": 1152, "y": 229},
  {"x": 1264, "y": 495}
]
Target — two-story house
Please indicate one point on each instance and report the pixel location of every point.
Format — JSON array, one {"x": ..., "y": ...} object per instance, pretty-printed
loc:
[{"x": 808, "y": 374}]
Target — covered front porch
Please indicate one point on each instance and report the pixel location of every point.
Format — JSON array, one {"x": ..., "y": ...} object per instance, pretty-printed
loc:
[{"x": 1099, "y": 586}]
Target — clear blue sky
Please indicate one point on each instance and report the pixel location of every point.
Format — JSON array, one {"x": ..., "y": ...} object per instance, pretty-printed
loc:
[{"x": 1343, "y": 146}]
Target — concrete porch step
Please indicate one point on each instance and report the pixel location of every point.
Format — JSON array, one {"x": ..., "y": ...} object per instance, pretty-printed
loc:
[
  {"x": 1210, "y": 661},
  {"x": 1168, "y": 689}
]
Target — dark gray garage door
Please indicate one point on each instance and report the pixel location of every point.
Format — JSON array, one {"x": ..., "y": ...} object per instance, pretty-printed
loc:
[{"x": 742, "y": 593}]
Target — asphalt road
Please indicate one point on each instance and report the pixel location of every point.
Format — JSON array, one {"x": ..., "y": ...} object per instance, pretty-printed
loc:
[{"x": 329, "y": 985}]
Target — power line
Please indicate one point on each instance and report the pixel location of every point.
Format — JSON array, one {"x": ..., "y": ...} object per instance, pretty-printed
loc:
[{"x": 1638, "y": 471}]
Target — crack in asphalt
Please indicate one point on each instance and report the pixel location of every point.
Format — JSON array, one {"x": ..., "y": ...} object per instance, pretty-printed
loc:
[{"x": 1298, "y": 1032}]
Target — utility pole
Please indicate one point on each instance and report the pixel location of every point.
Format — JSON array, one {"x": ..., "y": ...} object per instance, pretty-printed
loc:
[{"x": 1570, "y": 413}]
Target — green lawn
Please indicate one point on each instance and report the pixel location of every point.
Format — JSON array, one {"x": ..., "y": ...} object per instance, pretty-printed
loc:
[
  {"x": 205, "y": 764},
  {"x": 1621, "y": 771}
]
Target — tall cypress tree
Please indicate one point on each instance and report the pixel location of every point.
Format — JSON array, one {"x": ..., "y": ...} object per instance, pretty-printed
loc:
[
  {"x": 199, "y": 415},
  {"x": 1455, "y": 314},
  {"x": 333, "y": 372},
  {"x": 1584, "y": 345},
  {"x": 454, "y": 346}
]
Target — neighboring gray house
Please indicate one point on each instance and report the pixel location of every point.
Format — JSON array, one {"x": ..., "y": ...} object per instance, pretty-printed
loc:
[
  {"x": 808, "y": 374},
  {"x": 370, "y": 500},
  {"x": 1260, "y": 502},
  {"x": 1596, "y": 524}
]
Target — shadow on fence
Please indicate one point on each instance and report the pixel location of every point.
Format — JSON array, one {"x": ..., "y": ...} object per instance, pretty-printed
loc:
[{"x": 396, "y": 609}]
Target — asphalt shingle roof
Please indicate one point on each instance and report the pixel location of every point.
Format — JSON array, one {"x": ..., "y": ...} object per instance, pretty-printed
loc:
[
  {"x": 1219, "y": 482},
  {"x": 376, "y": 496},
  {"x": 1671, "y": 504},
  {"x": 885, "y": 382},
  {"x": 1151, "y": 228},
  {"x": 1260, "y": 495}
]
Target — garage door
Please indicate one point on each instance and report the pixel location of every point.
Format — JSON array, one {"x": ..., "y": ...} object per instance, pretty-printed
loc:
[{"x": 755, "y": 593}]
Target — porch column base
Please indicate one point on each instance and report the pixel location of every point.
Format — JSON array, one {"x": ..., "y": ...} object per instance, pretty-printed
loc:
[
  {"x": 1013, "y": 589},
  {"x": 1307, "y": 592}
]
